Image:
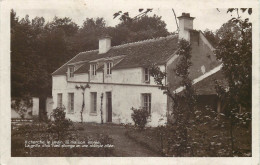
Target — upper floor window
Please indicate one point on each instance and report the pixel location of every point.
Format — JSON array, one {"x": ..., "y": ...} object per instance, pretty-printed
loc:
[
  {"x": 71, "y": 71},
  {"x": 59, "y": 100},
  {"x": 109, "y": 66},
  {"x": 146, "y": 75},
  {"x": 71, "y": 103},
  {"x": 94, "y": 69},
  {"x": 146, "y": 101}
]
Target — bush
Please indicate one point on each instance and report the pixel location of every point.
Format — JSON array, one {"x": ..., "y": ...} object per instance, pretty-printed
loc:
[
  {"x": 60, "y": 125},
  {"x": 139, "y": 117}
]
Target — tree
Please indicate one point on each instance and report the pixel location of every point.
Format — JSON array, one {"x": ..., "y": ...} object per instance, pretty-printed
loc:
[
  {"x": 212, "y": 37},
  {"x": 88, "y": 34},
  {"x": 183, "y": 103},
  {"x": 143, "y": 28},
  {"x": 36, "y": 51},
  {"x": 235, "y": 51},
  {"x": 28, "y": 75}
]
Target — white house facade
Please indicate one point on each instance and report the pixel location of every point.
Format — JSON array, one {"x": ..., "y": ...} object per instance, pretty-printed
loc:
[{"x": 119, "y": 79}]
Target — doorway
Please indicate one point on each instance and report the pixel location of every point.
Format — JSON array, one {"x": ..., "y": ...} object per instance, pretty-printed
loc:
[{"x": 109, "y": 106}]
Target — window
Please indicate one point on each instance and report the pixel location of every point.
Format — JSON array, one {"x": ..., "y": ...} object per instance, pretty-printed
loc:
[
  {"x": 71, "y": 103},
  {"x": 71, "y": 71},
  {"x": 146, "y": 75},
  {"x": 109, "y": 65},
  {"x": 94, "y": 69},
  {"x": 93, "y": 103},
  {"x": 147, "y": 101},
  {"x": 59, "y": 100}
]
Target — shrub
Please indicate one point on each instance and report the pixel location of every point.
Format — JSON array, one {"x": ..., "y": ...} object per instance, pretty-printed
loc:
[
  {"x": 139, "y": 117},
  {"x": 60, "y": 125}
]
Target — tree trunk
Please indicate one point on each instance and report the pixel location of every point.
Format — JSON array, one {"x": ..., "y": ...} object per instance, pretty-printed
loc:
[{"x": 42, "y": 108}]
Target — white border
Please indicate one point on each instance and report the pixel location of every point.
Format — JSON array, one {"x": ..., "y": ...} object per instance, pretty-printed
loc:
[{"x": 5, "y": 125}]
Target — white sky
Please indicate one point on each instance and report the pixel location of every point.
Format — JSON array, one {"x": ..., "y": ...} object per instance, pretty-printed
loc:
[{"x": 205, "y": 18}]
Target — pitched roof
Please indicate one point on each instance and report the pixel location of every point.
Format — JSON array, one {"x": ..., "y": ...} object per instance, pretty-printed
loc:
[
  {"x": 136, "y": 54},
  {"x": 205, "y": 84}
]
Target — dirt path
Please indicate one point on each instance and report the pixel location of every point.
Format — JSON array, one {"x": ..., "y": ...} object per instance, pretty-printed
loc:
[{"x": 124, "y": 147}]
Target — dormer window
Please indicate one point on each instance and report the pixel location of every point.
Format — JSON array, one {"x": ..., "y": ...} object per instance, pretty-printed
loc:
[
  {"x": 109, "y": 66},
  {"x": 146, "y": 75},
  {"x": 94, "y": 69},
  {"x": 71, "y": 71}
]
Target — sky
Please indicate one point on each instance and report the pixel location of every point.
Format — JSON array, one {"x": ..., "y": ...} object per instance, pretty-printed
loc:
[{"x": 205, "y": 18}]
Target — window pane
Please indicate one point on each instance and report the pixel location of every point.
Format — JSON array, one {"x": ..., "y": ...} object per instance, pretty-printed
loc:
[
  {"x": 147, "y": 102},
  {"x": 93, "y": 102},
  {"x": 59, "y": 100},
  {"x": 71, "y": 102},
  {"x": 146, "y": 74},
  {"x": 71, "y": 71}
]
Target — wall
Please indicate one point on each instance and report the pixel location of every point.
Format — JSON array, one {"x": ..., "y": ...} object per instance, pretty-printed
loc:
[
  {"x": 80, "y": 77},
  {"x": 31, "y": 111},
  {"x": 124, "y": 97},
  {"x": 35, "y": 107},
  {"x": 203, "y": 60},
  {"x": 130, "y": 76},
  {"x": 49, "y": 106}
]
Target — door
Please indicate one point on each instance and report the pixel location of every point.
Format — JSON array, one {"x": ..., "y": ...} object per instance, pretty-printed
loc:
[{"x": 109, "y": 106}]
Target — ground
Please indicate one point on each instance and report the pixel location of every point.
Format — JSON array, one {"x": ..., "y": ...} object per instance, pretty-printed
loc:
[
  {"x": 124, "y": 146},
  {"x": 127, "y": 141}
]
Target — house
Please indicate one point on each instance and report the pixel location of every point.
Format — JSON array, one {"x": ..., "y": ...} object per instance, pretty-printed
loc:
[{"x": 119, "y": 78}]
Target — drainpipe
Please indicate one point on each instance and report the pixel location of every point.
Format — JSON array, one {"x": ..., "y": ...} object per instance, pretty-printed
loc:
[{"x": 88, "y": 75}]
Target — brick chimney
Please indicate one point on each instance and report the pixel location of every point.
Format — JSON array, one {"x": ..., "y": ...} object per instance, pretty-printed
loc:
[
  {"x": 104, "y": 44},
  {"x": 185, "y": 24}
]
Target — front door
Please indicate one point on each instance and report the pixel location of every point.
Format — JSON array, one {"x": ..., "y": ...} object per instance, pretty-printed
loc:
[{"x": 109, "y": 106}]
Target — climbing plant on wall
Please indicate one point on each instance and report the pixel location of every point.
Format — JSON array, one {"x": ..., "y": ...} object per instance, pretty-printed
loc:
[
  {"x": 183, "y": 104},
  {"x": 83, "y": 88}
]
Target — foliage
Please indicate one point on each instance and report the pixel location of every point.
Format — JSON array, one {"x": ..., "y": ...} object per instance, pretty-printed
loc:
[
  {"x": 21, "y": 105},
  {"x": 208, "y": 136},
  {"x": 211, "y": 37},
  {"x": 101, "y": 107},
  {"x": 60, "y": 125},
  {"x": 147, "y": 27},
  {"x": 28, "y": 76},
  {"x": 235, "y": 52},
  {"x": 40, "y": 47},
  {"x": 140, "y": 117},
  {"x": 83, "y": 88},
  {"x": 183, "y": 104},
  {"x": 124, "y": 17}
]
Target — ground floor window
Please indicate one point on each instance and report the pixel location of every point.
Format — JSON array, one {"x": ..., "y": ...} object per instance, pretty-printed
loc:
[
  {"x": 59, "y": 100},
  {"x": 93, "y": 102},
  {"x": 71, "y": 102},
  {"x": 146, "y": 101}
]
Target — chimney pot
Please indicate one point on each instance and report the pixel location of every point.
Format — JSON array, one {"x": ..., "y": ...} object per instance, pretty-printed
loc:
[{"x": 185, "y": 24}]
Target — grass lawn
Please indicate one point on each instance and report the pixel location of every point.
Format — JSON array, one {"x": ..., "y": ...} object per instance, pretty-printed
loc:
[{"x": 120, "y": 144}]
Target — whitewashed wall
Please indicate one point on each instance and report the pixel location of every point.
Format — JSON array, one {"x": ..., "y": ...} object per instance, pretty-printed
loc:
[{"x": 123, "y": 98}]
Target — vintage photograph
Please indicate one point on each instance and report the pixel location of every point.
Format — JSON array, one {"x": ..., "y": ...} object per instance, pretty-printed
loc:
[{"x": 131, "y": 82}]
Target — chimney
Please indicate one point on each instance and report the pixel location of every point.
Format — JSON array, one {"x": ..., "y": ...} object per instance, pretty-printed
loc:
[
  {"x": 104, "y": 44},
  {"x": 185, "y": 24}
]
